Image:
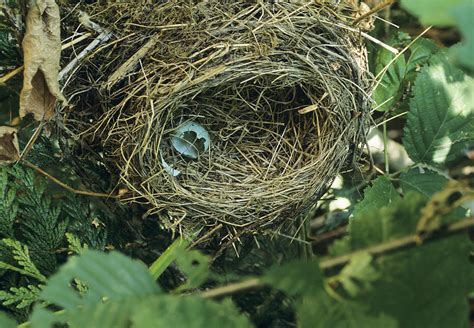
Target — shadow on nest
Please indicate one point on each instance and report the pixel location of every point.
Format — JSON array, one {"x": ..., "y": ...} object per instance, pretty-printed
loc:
[{"x": 231, "y": 114}]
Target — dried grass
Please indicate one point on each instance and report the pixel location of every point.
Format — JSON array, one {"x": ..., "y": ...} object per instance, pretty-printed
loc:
[{"x": 245, "y": 70}]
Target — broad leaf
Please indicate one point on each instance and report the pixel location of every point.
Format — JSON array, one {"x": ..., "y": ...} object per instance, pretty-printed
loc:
[
  {"x": 314, "y": 306},
  {"x": 433, "y": 12},
  {"x": 6, "y": 322},
  {"x": 464, "y": 52},
  {"x": 441, "y": 119},
  {"x": 401, "y": 72},
  {"x": 426, "y": 183},
  {"x": 379, "y": 194},
  {"x": 325, "y": 311},
  {"x": 111, "y": 276},
  {"x": 296, "y": 278},
  {"x": 437, "y": 275},
  {"x": 189, "y": 312}
]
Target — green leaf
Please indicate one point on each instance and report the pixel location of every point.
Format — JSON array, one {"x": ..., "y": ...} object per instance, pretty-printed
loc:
[
  {"x": 6, "y": 322},
  {"x": 192, "y": 312},
  {"x": 358, "y": 274},
  {"x": 296, "y": 278},
  {"x": 401, "y": 72},
  {"x": 380, "y": 194},
  {"x": 111, "y": 276},
  {"x": 324, "y": 311},
  {"x": 8, "y": 205},
  {"x": 433, "y": 12},
  {"x": 440, "y": 124},
  {"x": 195, "y": 266},
  {"x": 22, "y": 297},
  {"x": 314, "y": 306},
  {"x": 387, "y": 92},
  {"x": 463, "y": 15},
  {"x": 426, "y": 183},
  {"x": 437, "y": 275},
  {"x": 120, "y": 291}
]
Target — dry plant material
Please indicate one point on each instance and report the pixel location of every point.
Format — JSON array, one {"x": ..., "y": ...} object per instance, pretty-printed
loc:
[
  {"x": 9, "y": 147},
  {"x": 281, "y": 88},
  {"x": 42, "y": 52}
]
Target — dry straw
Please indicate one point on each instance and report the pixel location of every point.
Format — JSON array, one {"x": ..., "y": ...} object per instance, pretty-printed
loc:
[{"x": 279, "y": 85}]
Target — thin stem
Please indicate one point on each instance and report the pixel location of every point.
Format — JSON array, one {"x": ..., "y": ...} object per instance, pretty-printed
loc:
[
  {"x": 385, "y": 148},
  {"x": 391, "y": 246},
  {"x": 65, "y": 186},
  {"x": 232, "y": 288}
]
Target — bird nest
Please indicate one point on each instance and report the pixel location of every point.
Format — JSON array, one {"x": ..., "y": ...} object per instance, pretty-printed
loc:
[{"x": 233, "y": 114}]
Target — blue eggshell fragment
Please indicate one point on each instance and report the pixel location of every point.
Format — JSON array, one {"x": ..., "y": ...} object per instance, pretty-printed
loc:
[{"x": 191, "y": 140}]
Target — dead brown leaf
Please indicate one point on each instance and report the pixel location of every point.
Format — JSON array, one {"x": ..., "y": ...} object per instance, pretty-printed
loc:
[
  {"x": 9, "y": 147},
  {"x": 42, "y": 52}
]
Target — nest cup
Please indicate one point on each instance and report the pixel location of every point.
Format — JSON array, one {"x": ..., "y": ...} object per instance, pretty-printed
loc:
[{"x": 267, "y": 98}]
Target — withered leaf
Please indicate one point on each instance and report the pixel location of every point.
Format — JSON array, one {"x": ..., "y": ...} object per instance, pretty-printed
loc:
[
  {"x": 42, "y": 52},
  {"x": 9, "y": 147}
]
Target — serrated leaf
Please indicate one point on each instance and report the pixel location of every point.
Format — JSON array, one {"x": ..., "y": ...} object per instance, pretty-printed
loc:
[
  {"x": 381, "y": 224},
  {"x": 111, "y": 276},
  {"x": 297, "y": 277},
  {"x": 358, "y": 274},
  {"x": 440, "y": 124},
  {"x": 387, "y": 92},
  {"x": 192, "y": 312},
  {"x": 433, "y": 12},
  {"x": 400, "y": 72},
  {"x": 379, "y": 194},
  {"x": 426, "y": 183},
  {"x": 6, "y": 322},
  {"x": 437, "y": 275},
  {"x": 464, "y": 17},
  {"x": 324, "y": 311},
  {"x": 195, "y": 266}
]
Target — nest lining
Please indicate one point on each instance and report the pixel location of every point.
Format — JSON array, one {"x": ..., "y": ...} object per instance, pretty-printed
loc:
[{"x": 245, "y": 71}]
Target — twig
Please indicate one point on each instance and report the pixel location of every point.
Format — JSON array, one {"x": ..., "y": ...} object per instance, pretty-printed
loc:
[
  {"x": 101, "y": 38},
  {"x": 11, "y": 74},
  {"x": 322, "y": 238},
  {"x": 399, "y": 244},
  {"x": 377, "y": 250},
  {"x": 377, "y": 8},
  {"x": 18, "y": 70},
  {"x": 65, "y": 186},
  {"x": 232, "y": 288}
]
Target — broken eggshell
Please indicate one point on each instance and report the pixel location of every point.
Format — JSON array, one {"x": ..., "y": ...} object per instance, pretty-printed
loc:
[{"x": 191, "y": 140}]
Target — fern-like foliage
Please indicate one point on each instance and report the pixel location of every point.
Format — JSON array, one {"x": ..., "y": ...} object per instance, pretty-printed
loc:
[
  {"x": 43, "y": 228},
  {"x": 8, "y": 206},
  {"x": 34, "y": 227}
]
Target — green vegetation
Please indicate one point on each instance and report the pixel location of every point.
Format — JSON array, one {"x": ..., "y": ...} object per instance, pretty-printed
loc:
[{"x": 67, "y": 258}]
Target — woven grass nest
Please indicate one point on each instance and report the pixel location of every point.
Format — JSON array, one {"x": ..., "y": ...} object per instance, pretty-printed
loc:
[{"x": 269, "y": 96}]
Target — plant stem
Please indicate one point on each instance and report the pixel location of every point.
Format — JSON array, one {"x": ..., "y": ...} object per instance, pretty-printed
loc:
[
  {"x": 233, "y": 288},
  {"x": 333, "y": 263}
]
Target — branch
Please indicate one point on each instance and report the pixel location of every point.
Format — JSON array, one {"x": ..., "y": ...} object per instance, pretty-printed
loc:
[
  {"x": 400, "y": 244},
  {"x": 65, "y": 186},
  {"x": 410, "y": 241}
]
